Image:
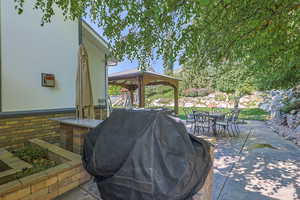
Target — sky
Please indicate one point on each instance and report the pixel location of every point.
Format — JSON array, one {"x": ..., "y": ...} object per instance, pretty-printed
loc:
[{"x": 157, "y": 65}]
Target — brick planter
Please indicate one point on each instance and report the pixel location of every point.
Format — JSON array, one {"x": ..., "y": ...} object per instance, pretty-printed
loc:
[{"x": 50, "y": 183}]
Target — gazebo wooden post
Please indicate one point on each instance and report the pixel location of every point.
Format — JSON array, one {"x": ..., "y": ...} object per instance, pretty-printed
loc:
[
  {"x": 176, "y": 98},
  {"x": 141, "y": 86},
  {"x": 131, "y": 91}
]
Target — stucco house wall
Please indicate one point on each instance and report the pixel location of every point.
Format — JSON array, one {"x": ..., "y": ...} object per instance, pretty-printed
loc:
[{"x": 27, "y": 50}]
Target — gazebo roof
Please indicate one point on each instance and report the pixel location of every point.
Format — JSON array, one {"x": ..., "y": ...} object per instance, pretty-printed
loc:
[
  {"x": 133, "y": 73},
  {"x": 129, "y": 77}
]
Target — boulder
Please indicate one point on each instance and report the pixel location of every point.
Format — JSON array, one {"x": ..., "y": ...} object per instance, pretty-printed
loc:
[
  {"x": 201, "y": 105},
  {"x": 291, "y": 121},
  {"x": 188, "y": 105},
  {"x": 265, "y": 106},
  {"x": 297, "y": 130},
  {"x": 293, "y": 112}
]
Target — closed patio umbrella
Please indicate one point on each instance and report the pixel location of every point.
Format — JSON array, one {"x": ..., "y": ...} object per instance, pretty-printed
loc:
[{"x": 84, "y": 96}]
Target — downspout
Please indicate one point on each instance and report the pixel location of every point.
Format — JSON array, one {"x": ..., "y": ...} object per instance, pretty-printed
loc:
[
  {"x": 80, "y": 31},
  {"x": 79, "y": 43},
  {"x": 106, "y": 86}
]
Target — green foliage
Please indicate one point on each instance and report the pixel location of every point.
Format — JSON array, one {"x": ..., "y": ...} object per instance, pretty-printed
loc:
[
  {"x": 197, "y": 77},
  {"x": 114, "y": 90},
  {"x": 229, "y": 77},
  {"x": 289, "y": 106},
  {"x": 169, "y": 65},
  {"x": 158, "y": 92},
  {"x": 191, "y": 92},
  {"x": 30, "y": 153},
  {"x": 250, "y": 104},
  {"x": 231, "y": 97},
  {"x": 234, "y": 78},
  {"x": 262, "y": 35},
  {"x": 220, "y": 97},
  {"x": 196, "y": 92},
  {"x": 36, "y": 156}
]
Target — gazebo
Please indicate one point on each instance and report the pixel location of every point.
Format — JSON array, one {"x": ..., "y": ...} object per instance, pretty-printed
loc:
[{"x": 135, "y": 79}]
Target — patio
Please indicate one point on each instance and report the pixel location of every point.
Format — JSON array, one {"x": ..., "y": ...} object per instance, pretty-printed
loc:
[
  {"x": 271, "y": 172},
  {"x": 238, "y": 67}
]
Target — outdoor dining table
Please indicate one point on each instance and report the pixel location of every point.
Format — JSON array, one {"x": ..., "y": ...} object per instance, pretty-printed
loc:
[{"x": 215, "y": 116}]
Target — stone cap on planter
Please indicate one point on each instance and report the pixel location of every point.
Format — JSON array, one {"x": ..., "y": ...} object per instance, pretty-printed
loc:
[
  {"x": 86, "y": 123},
  {"x": 13, "y": 163}
]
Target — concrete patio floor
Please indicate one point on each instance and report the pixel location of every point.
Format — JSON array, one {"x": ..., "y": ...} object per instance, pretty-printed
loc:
[
  {"x": 272, "y": 172},
  {"x": 262, "y": 173}
]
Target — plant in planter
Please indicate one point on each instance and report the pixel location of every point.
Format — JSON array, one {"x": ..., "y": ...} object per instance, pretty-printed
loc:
[{"x": 36, "y": 156}]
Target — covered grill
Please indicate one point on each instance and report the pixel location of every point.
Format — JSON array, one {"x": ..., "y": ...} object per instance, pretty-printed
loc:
[{"x": 141, "y": 155}]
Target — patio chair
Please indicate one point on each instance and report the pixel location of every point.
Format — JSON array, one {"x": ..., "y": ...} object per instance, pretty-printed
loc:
[
  {"x": 229, "y": 124},
  {"x": 189, "y": 116},
  {"x": 203, "y": 122},
  {"x": 236, "y": 120}
]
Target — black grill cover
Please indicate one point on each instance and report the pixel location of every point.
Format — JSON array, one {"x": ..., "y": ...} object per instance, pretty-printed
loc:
[{"x": 141, "y": 155}]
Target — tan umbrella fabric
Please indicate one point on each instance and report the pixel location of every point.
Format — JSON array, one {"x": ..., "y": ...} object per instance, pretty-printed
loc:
[{"x": 84, "y": 96}]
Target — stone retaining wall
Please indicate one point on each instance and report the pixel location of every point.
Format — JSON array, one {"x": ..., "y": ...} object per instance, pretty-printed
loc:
[{"x": 284, "y": 108}]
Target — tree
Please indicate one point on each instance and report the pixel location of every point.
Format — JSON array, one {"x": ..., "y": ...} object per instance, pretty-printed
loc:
[
  {"x": 198, "y": 76},
  {"x": 236, "y": 79},
  {"x": 169, "y": 66},
  {"x": 228, "y": 77},
  {"x": 261, "y": 34}
]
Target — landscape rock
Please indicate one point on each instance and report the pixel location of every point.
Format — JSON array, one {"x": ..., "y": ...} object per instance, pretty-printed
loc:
[
  {"x": 285, "y": 124},
  {"x": 216, "y": 99},
  {"x": 188, "y": 105},
  {"x": 297, "y": 130}
]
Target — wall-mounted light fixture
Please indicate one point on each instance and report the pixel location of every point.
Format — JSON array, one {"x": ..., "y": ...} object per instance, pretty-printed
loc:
[{"x": 48, "y": 80}]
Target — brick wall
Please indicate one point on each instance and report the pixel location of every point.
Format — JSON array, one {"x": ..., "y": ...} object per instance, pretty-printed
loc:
[{"x": 17, "y": 128}]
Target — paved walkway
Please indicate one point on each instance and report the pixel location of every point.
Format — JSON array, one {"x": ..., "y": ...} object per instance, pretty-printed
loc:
[
  {"x": 271, "y": 172},
  {"x": 262, "y": 173}
]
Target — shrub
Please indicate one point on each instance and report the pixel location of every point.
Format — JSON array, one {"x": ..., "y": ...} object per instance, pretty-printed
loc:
[
  {"x": 164, "y": 100},
  {"x": 114, "y": 90},
  {"x": 156, "y": 92},
  {"x": 196, "y": 92},
  {"x": 220, "y": 97},
  {"x": 202, "y": 92},
  {"x": 231, "y": 97},
  {"x": 289, "y": 106},
  {"x": 191, "y": 92},
  {"x": 36, "y": 156},
  {"x": 250, "y": 104}
]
